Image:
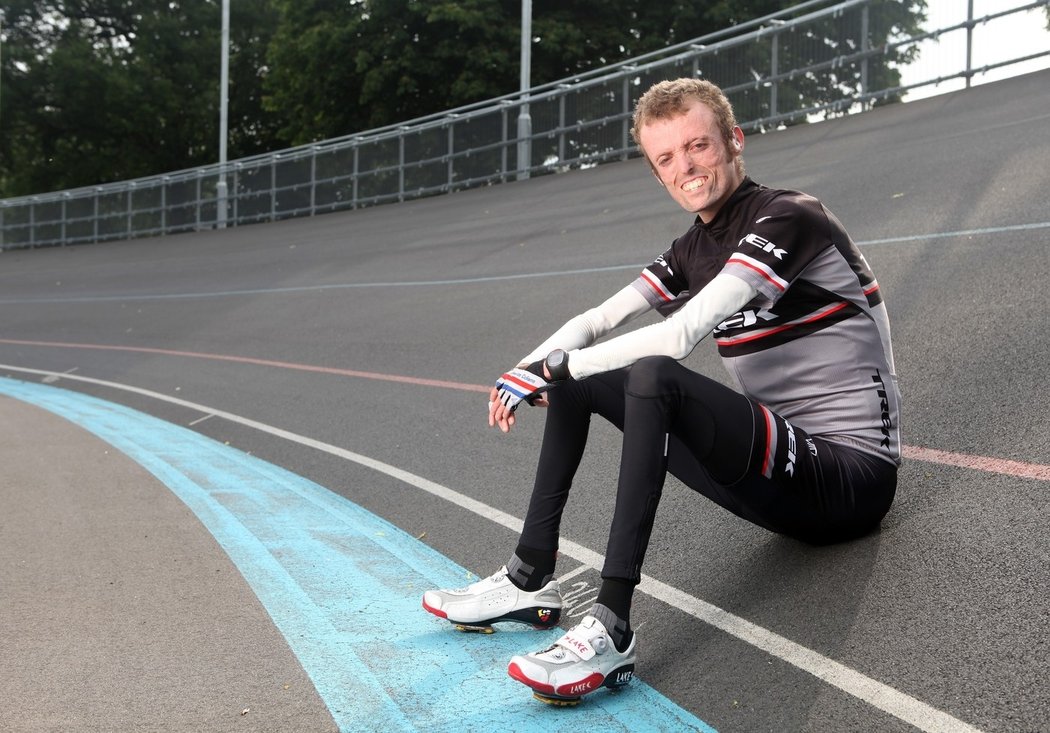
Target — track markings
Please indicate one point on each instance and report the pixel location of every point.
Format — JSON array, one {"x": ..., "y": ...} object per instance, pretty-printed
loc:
[
  {"x": 344, "y": 586},
  {"x": 877, "y": 694},
  {"x": 909, "y": 238},
  {"x": 1015, "y": 469}
]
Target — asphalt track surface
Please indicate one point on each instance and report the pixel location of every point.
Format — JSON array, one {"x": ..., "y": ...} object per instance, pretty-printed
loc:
[{"x": 378, "y": 331}]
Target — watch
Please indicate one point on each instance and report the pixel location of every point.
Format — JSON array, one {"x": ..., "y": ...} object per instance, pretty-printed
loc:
[{"x": 557, "y": 363}]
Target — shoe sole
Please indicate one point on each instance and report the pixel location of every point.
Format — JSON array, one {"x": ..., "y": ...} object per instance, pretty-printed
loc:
[
  {"x": 545, "y": 693},
  {"x": 540, "y": 618}
]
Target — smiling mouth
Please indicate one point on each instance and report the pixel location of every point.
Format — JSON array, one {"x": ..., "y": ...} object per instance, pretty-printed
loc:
[{"x": 693, "y": 185}]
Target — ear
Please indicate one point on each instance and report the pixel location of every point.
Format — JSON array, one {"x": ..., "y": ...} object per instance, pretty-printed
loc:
[{"x": 736, "y": 141}]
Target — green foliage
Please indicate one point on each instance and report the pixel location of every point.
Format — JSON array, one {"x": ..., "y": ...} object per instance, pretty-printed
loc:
[{"x": 103, "y": 90}]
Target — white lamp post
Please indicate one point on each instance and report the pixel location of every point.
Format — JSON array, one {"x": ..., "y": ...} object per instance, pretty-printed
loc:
[{"x": 524, "y": 120}]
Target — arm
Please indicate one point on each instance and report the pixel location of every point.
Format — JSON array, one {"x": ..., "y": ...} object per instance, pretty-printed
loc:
[
  {"x": 586, "y": 328},
  {"x": 580, "y": 331},
  {"x": 675, "y": 337}
]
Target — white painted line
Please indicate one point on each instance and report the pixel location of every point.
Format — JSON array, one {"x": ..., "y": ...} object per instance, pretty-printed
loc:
[
  {"x": 579, "y": 570},
  {"x": 480, "y": 279},
  {"x": 888, "y": 699}
]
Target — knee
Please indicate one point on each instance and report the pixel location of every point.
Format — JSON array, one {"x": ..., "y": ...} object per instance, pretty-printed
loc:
[{"x": 652, "y": 376}]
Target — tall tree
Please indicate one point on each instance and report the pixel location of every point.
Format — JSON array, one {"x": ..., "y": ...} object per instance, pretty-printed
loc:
[
  {"x": 104, "y": 90},
  {"x": 340, "y": 67}
]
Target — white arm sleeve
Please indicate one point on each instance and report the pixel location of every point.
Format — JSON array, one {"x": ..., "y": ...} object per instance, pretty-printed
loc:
[
  {"x": 675, "y": 337},
  {"x": 591, "y": 325}
]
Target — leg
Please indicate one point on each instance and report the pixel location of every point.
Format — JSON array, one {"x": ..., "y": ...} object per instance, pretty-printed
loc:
[
  {"x": 739, "y": 454},
  {"x": 732, "y": 450},
  {"x": 564, "y": 440}
]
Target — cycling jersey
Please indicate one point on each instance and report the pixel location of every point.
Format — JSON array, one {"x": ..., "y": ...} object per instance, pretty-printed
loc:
[{"x": 814, "y": 344}]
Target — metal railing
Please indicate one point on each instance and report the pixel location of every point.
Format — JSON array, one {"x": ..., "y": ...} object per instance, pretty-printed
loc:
[{"x": 767, "y": 68}]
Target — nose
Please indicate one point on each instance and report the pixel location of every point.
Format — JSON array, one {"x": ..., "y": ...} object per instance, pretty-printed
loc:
[{"x": 684, "y": 162}]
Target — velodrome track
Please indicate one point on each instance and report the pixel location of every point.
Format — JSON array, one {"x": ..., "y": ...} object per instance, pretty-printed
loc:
[{"x": 351, "y": 346}]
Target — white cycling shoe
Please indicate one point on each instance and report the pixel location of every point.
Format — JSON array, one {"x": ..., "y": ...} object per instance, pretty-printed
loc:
[
  {"x": 495, "y": 598},
  {"x": 581, "y": 661}
]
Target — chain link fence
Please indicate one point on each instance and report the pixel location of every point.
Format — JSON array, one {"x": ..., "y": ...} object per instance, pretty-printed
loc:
[{"x": 810, "y": 62}]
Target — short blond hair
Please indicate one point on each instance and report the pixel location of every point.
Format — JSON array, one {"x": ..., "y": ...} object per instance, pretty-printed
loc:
[{"x": 667, "y": 99}]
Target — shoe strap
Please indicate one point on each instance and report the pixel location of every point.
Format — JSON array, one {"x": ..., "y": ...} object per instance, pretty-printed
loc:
[{"x": 583, "y": 646}]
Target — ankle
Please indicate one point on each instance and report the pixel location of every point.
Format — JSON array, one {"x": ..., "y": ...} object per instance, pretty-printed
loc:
[
  {"x": 531, "y": 569},
  {"x": 619, "y": 628}
]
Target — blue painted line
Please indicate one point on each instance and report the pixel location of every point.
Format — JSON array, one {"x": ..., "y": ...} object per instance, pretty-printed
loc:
[{"x": 344, "y": 586}]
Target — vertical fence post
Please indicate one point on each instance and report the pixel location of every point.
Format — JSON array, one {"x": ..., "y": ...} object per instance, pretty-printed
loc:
[
  {"x": 865, "y": 46},
  {"x": 32, "y": 223},
  {"x": 313, "y": 180},
  {"x": 127, "y": 209},
  {"x": 774, "y": 71},
  {"x": 236, "y": 195},
  {"x": 274, "y": 206},
  {"x": 625, "y": 135},
  {"x": 357, "y": 168},
  {"x": 696, "y": 49},
  {"x": 503, "y": 140},
  {"x": 450, "y": 172},
  {"x": 164, "y": 205},
  {"x": 199, "y": 175},
  {"x": 62, "y": 235},
  {"x": 561, "y": 122},
  {"x": 94, "y": 217},
  {"x": 401, "y": 163}
]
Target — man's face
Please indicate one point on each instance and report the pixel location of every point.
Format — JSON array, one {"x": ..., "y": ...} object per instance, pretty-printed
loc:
[{"x": 692, "y": 160}]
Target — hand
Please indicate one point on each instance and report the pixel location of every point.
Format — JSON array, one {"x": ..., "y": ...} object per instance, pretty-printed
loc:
[
  {"x": 522, "y": 384},
  {"x": 525, "y": 383}
]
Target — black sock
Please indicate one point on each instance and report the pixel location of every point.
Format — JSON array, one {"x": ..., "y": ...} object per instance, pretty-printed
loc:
[
  {"x": 619, "y": 629},
  {"x": 614, "y": 598},
  {"x": 531, "y": 569}
]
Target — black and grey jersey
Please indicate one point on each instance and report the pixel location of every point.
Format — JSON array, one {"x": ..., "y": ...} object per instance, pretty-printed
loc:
[{"x": 814, "y": 344}]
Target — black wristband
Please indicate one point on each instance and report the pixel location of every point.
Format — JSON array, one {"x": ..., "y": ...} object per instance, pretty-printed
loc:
[{"x": 557, "y": 363}]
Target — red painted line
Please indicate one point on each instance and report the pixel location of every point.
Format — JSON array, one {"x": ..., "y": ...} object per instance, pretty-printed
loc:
[
  {"x": 1016, "y": 469},
  {"x": 262, "y": 362},
  {"x": 981, "y": 463}
]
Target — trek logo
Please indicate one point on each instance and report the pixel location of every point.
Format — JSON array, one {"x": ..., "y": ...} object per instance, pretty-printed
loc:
[
  {"x": 763, "y": 244},
  {"x": 885, "y": 406},
  {"x": 744, "y": 319},
  {"x": 789, "y": 469}
]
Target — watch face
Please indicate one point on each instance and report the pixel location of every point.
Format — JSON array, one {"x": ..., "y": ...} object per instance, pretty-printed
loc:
[{"x": 556, "y": 357}]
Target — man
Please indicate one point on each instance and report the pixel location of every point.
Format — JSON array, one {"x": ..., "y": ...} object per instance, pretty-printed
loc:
[{"x": 808, "y": 448}]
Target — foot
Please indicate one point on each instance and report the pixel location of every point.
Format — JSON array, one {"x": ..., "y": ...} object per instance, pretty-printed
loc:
[
  {"x": 581, "y": 661},
  {"x": 481, "y": 604}
]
